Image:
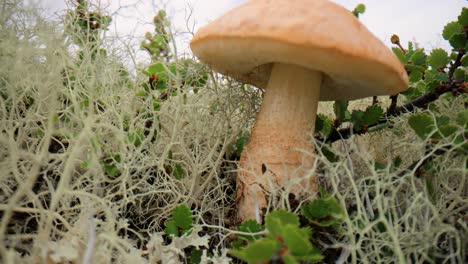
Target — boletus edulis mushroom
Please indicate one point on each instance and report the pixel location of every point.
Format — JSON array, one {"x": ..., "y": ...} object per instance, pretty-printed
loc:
[{"x": 299, "y": 52}]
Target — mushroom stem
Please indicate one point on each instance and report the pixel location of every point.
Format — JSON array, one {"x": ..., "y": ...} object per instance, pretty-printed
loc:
[{"x": 273, "y": 159}]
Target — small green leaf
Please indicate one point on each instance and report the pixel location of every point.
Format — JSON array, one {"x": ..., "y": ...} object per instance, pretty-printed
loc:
[
  {"x": 448, "y": 130},
  {"x": 418, "y": 57},
  {"x": 323, "y": 124},
  {"x": 412, "y": 92},
  {"x": 451, "y": 29},
  {"x": 136, "y": 138},
  {"x": 257, "y": 251},
  {"x": 329, "y": 154},
  {"x": 156, "y": 69},
  {"x": 324, "y": 211},
  {"x": 459, "y": 73},
  {"x": 423, "y": 124},
  {"x": 379, "y": 166},
  {"x": 142, "y": 93},
  {"x": 400, "y": 55},
  {"x": 464, "y": 61},
  {"x": 442, "y": 120},
  {"x": 296, "y": 243},
  {"x": 179, "y": 172},
  {"x": 415, "y": 77},
  {"x": 171, "y": 228},
  {"x": 250, "y": 226},
  {"x": 462, "y": 118},
  {"x": 438, "y": 58},
  {"x": 414, "y": 68},
  {"x": 340, "y": 108},
  {"x": 110, "y": 166},
  {"x": 463, "y": 17},
  {"x": 182, "y": 216},
  {"x": 313, "y": 257},
  {"x": 276, "y": 220},
  {"x": 196, "y": 256},
  {"x": 434, "y": 75},
  {"x": 372, "y": 115},
  {"x": 397, "y": 162},
  {"x": 458, "y": 41},
  {"x": 357, "y": 117},
  {"x": 290, "y": 259},
  {"x": 318, "y": 209}
]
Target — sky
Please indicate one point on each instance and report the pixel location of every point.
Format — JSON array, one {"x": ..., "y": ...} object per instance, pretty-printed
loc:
[{"x": 412, "y": 20}]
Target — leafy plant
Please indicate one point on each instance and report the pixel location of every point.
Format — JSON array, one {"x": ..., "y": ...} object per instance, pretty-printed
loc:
[
  {"x": 180, "y": 223},
  {"x": 285, "y": 240},
  {"x": 323, "y": 211}
]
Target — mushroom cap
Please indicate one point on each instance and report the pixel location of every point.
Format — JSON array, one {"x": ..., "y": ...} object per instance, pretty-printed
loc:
[{"x": 315, "y": 34}]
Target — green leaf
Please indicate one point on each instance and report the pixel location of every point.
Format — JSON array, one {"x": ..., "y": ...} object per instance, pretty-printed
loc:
[
  {"x": 290, "y": 259},
  {"x": 323, "y": 124},
  {"x": 160, "y": 71},
  {"x": 178, "y": 172},
  {"x": 276, "y": 220},
  {"x": 182, "y": 216},
  {"x": 464, "y": 61},
  {"x": 442, "y": 120},
  {"x": 171, "y": 228},
  {"x": 418, "y": 57},
  {"x": 397, "y": 162},
  {"x": 462, "y": 118},
  {"x": 110, "y": 166},
  {"x": 324, "y": 211},
  {"x": 357, "y": 117},
  {"x": 196, "y": 256},
  {"x": 372, "y": 115},
  {"x": 313, "y": 257},
  {"x": 318, "y": 209},
  {"x": 415, "y": 77},
  {"x": 423, "y": 124},
  {"x": 296, "y": 243},
  {"x": 156, "y": 69},
  {"x": 448, "y": 130},
  {"x": 257, "y": 251},
  {"x": 400, "y": 55},
  {"x": 329, "y": 154},
  {"x": 250, "y": 226},
  {"x": 434, "y": 75},
  {"x": 414, "y": 68},
  {"x": 458, "y": 41},
  {"x": 142, "y": 93},
  {"x": 136, "y": 138},
  {"x": 463, "y": 17},
  {"x": 451, "y": 29},
  {"x": 340, "y": 107},
  {"x": 379, "y": 166},
  {"x": 438, "y": 58},
  {"x": 459, "y": 73}
]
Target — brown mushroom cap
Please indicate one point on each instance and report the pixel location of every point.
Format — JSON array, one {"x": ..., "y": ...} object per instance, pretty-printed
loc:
[{"x": 315, "y": 34}]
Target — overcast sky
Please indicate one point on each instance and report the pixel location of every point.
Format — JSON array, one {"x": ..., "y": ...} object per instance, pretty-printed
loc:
[{"x": 420, "y": 20}]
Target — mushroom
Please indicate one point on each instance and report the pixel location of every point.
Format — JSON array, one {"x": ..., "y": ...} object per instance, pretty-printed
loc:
[{"x": 299, "y": 52}]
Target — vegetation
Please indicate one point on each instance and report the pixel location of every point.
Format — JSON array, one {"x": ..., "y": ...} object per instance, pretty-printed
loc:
[{"x": 100, "y": 165}]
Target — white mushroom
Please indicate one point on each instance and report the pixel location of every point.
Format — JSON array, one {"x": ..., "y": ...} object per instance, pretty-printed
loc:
[{"x": 300, "y": 52}]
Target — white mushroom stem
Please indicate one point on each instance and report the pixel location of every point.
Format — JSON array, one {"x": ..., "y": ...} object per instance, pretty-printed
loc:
[{"x": 274, "y": 157}]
